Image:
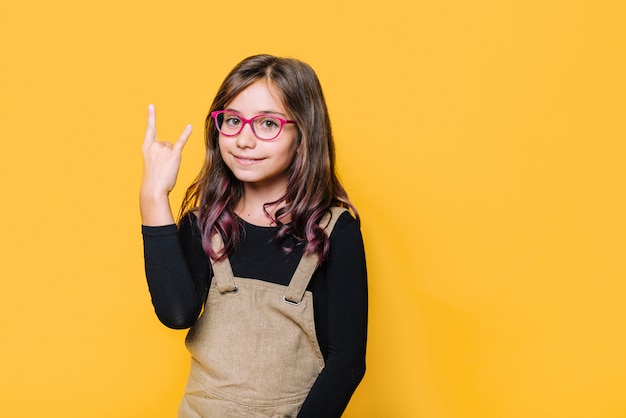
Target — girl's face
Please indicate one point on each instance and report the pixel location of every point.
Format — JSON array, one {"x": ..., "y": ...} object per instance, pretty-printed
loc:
[{"x": 254, "y": 161}]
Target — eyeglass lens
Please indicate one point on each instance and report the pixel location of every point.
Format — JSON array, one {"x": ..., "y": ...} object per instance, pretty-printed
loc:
[{"x": 264, "y": 126}]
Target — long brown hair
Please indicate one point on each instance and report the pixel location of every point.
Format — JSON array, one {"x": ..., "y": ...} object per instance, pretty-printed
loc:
[{"x": 313, "y": 186}]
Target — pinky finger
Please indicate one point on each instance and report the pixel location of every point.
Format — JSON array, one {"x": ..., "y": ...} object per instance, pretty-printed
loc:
[{"x": 182, "y": 140}]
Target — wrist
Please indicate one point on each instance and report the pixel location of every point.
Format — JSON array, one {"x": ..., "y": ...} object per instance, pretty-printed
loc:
[
  {"x": 155, "y": 209},
  {"x": 149, "y": 197}
]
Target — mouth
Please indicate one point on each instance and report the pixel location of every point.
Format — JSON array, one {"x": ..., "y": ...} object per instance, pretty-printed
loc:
[{"x": 246, "y": 160}]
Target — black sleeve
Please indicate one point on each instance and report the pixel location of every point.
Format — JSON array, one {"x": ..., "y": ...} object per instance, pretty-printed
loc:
[
  {"x": 346, "y": 281},
  {"x": 177, "y": 270}
]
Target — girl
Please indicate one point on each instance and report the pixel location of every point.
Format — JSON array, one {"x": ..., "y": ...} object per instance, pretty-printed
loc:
[{"x": 266, "y": 264}]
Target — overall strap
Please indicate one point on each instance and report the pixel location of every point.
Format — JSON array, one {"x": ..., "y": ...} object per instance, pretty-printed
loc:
[
  {"x": 222, "y": 270},
  {"x": 308, "y": 262}
]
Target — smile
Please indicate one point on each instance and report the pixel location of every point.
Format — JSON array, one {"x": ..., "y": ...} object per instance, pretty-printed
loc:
[{"x": 246, "y": 160}]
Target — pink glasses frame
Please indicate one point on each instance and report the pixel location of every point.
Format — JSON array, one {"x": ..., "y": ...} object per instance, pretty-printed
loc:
[{"x": 283, "y": 122}]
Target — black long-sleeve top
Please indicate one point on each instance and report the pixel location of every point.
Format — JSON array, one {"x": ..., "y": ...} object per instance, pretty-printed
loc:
[{"x": 179, "y": 275}]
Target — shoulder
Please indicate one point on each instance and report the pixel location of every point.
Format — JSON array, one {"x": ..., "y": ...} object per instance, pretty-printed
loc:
[
  {"x": 346, "y": 226},
  {"x": 188, "y": 224},
  {"x": 347, "y": 250}
]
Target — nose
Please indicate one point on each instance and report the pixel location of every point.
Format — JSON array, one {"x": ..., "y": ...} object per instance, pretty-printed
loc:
[{"x": 246, "y": 138}]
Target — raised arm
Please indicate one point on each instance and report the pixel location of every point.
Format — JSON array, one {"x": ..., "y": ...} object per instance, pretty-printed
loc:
[{"x": 176, "y": 268}]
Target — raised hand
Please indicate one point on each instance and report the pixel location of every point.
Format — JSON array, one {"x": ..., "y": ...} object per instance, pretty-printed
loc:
[{"x": 161, "y": 165}]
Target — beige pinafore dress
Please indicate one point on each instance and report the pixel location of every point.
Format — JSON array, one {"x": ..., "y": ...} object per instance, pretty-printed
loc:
[{"x": 254, "y": 351}]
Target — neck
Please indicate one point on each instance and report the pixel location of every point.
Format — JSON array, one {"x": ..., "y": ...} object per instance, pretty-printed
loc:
[{"x": 251, "y": 206}]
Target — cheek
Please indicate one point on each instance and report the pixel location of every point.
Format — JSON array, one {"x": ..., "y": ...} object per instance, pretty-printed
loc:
[
  {"x": 223, "y": 154},
  {"x": 289, "y": 153},
  {"x": 293, "y": 148},
  {"x": 221, "y": 146}
]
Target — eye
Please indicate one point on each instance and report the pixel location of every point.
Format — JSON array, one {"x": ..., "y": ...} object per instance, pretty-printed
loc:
[
  {"x": 232, "y": 120},
  {"x": 269, "y": 123}
]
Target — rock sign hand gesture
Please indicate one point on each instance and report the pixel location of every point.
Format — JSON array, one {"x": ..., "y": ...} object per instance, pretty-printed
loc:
[{"x": 161, "y": 162}]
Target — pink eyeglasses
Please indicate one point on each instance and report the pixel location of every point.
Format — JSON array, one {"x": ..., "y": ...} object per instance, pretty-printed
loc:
[{"x": 265, "y": 127}]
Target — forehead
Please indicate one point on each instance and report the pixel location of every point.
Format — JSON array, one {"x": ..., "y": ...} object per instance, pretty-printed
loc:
[{"x": 259, "y": 97}]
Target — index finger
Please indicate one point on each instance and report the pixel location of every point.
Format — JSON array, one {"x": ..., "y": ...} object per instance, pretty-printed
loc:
[{"x": 151, "y": 126}]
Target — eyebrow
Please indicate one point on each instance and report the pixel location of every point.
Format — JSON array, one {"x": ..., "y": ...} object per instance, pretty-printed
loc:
[{"x": 262, "y": 112}]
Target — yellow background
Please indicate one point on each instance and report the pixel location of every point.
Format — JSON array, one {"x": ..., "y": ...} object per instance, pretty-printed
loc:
[{"x": 482, "y": 141}]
